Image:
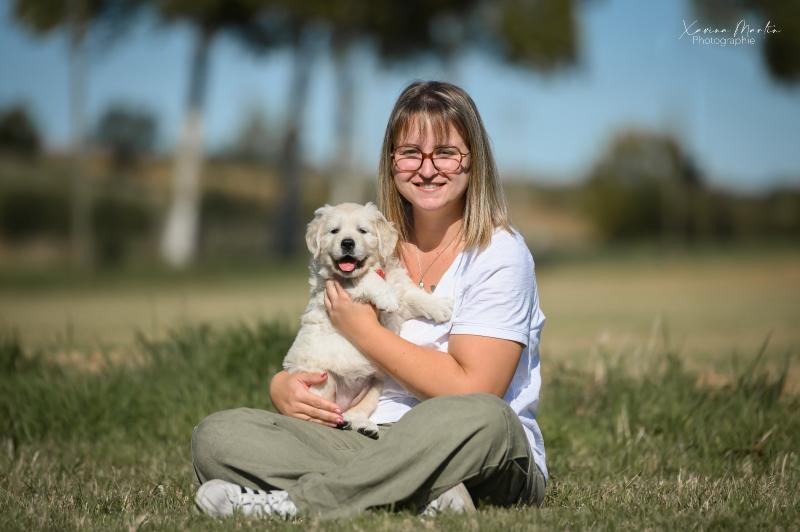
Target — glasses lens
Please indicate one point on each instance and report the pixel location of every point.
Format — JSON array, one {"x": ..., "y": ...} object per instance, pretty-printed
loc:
[
  {"x": 447, "y": 159},
  {"x": 407, "y": 158}
]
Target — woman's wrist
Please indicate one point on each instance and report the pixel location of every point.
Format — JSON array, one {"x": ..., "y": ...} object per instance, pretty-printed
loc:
[
  {"x": 275, "y": 385},
  {"x": 367, "y": 337}
]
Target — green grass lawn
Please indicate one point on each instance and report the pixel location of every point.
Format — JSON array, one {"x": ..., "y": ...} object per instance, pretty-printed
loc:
[
  {"x": 696, "y": 431},
  {"x": 110, "y": 450}
]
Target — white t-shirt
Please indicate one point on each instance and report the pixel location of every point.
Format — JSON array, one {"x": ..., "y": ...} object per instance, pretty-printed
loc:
[{"x": 495, "y": 294}]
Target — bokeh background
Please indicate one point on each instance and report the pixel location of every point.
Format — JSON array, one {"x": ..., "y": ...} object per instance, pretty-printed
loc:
[{"x": 159, "y": 161}]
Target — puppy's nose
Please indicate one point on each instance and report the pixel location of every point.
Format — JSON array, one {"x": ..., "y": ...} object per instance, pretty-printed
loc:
[{"x": 348, "y": 244}]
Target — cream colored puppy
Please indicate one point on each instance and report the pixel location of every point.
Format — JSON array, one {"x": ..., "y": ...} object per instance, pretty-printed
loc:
[{"x": 355, "y": 245}]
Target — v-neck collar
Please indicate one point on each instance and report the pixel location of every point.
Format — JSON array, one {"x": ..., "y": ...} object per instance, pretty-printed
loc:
[{"x": 447, "y": 273}]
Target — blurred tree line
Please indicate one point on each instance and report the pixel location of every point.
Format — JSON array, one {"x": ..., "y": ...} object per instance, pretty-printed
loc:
[{"x": 645, "y": 186}]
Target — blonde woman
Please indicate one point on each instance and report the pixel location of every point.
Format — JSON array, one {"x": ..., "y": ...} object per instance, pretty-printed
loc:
[{"x": 458, "y": 412}]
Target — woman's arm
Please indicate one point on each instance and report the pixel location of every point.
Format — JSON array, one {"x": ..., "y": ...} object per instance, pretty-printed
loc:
[{"x": 473, "y": 363}]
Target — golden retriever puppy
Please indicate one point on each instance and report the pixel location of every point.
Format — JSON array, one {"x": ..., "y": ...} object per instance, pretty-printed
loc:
[{"x": 355, "y": 245}]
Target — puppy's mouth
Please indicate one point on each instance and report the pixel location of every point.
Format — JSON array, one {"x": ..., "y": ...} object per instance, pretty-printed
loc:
[{"x": 349, "y": 264}]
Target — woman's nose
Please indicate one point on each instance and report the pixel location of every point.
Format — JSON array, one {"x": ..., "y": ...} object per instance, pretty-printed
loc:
[{"x": 427, "y": 169}]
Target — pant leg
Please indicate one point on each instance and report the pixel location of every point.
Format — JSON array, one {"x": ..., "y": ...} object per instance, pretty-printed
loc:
[
  {"x": 262, "y": 449},
  {"x": 476, "y": 439}
]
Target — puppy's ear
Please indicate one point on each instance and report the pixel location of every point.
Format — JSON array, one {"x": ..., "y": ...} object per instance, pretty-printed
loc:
[
  {"x": 387, "y": 235},
  {"x": 314, "y": 230}
]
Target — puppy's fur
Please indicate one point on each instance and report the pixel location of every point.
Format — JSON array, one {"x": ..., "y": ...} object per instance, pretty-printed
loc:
[{"x": 353, "y": 244}]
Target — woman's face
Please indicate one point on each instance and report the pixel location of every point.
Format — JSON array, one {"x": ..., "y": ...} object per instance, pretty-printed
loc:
[{"x": 427, "y": 188}]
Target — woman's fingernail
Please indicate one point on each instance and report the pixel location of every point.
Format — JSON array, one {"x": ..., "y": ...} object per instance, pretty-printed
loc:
[
  {"x": 324, "y": 374},
  {"x": 338, "y": 411}
]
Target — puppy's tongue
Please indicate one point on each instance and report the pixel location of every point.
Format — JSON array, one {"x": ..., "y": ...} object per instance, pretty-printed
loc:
[{"x": 347, "y": 264}]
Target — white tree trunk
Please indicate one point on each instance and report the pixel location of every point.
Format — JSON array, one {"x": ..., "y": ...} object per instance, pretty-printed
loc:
[
  {"x": 181, "y": 231},
  {"x": 179, "y": 241}
]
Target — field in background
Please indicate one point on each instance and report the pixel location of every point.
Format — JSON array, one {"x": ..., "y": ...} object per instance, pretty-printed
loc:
[{"x": 707, "y": 305}]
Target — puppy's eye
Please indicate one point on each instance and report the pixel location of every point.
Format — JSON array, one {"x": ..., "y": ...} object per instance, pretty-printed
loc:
[
  {"x": 362, "y": 231},
  {"x": 334, "y": 231}
]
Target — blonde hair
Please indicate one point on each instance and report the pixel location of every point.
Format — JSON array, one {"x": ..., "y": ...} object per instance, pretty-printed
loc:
[{"x": 444, "y": 105}]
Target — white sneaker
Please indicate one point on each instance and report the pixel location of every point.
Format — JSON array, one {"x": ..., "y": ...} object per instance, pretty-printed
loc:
[
  {"x": 218, "y": 498},
  {"x": 457, "y": 499}
]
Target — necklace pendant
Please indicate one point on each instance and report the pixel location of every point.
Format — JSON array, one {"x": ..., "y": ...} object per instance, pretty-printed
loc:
[{"x": 421, "y": 285}]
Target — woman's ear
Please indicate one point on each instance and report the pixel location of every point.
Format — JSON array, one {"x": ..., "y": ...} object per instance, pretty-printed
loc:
[{"x": 314, "y": 230}]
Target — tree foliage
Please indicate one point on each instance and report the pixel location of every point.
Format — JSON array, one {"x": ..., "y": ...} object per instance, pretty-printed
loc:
[
  {"x": 643, "y": 186},
  {"x": 127, "y": 132},
  {"x": 18, "y": 132},
  {"x": 781, "y": 50},
  {"x": 539, "y": 34}
]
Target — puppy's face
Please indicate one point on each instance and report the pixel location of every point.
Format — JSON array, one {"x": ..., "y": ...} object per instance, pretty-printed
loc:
[{"x": 349, "y": 239}]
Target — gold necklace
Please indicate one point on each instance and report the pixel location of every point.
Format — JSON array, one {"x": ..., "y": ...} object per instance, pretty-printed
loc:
[{"x": 419, "y": 262}]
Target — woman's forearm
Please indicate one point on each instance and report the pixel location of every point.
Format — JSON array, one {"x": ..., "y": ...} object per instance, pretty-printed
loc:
[
  {"x": 423, "y": 371},
  {"x": 275, "y": 384}
]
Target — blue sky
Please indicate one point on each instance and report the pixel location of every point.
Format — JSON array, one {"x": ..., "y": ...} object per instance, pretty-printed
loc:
[{"x": 742, "y": 129}]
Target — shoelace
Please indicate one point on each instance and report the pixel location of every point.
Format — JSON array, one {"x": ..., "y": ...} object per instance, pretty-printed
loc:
[{"x": 252, "y": 501}]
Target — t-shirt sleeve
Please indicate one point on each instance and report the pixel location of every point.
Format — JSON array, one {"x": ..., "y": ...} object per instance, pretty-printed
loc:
[{"x": 499, "y": 296}]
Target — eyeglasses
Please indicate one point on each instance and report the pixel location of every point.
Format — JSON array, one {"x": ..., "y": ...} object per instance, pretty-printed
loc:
[{"x": 446, "y": 159}]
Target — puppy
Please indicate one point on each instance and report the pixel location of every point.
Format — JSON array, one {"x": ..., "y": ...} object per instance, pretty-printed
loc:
[{"x": 355, "y": 245}]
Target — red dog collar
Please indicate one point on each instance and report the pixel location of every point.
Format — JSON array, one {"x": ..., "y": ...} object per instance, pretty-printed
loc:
[{"x": 381, "y": 273}]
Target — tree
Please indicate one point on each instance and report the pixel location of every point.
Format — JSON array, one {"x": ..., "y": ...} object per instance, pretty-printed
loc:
[
  {"x": 18, "y": 132},
  {"x": 77, "y": 16},
  {"x": 127, "y": 133},
  {"x": 542, "y": 35},
  {"x": 246, "y": 20},
  {"x": 644, "y": 185}
]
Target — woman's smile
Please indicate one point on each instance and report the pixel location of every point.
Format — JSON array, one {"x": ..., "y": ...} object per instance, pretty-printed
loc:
[{"x": 429, "y": 186}]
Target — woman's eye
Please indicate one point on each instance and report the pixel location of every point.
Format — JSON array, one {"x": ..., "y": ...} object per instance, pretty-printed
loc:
[
  {"x": 362, "y": 231},
  {"x": 334, "y": 231}
]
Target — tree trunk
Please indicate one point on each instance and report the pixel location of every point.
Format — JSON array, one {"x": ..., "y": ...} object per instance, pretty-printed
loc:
[
  {"x": 180, "y": 236},
  {"x": 345, "y": 185},
  {"x": 80, "y": 201},
  {"x": 288, "y": 223}
]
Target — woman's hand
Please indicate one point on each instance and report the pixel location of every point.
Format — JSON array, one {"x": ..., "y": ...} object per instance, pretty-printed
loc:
[
  {"x": 291, "y": 396},
  {"x": 348, "y": 316}
]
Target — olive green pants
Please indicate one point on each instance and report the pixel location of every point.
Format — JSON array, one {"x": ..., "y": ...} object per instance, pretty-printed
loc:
[{"x": 475, "y": 439}]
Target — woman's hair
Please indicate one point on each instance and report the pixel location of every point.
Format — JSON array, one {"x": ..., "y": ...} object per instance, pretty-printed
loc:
[{"x": 444, "y": 105}]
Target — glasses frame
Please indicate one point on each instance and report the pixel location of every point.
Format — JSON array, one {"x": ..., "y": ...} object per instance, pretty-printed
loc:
[{"x": 428, "y": 155}]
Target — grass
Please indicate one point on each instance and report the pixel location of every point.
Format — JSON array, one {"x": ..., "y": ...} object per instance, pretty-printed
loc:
[
  {"x": 627, "y": 449},
  {"x": 662, "y": 404}
]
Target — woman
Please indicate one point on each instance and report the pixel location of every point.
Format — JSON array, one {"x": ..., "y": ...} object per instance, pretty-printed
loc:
[{"x": 438, "y": 184}]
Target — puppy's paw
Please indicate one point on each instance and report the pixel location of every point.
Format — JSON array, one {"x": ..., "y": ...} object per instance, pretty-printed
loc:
[
  {"x": 370, "y": 432},
  {"x": 439, "y": 309},
  {"x": 362, "y": 424},
  {"x": 387, "y": 302}
]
